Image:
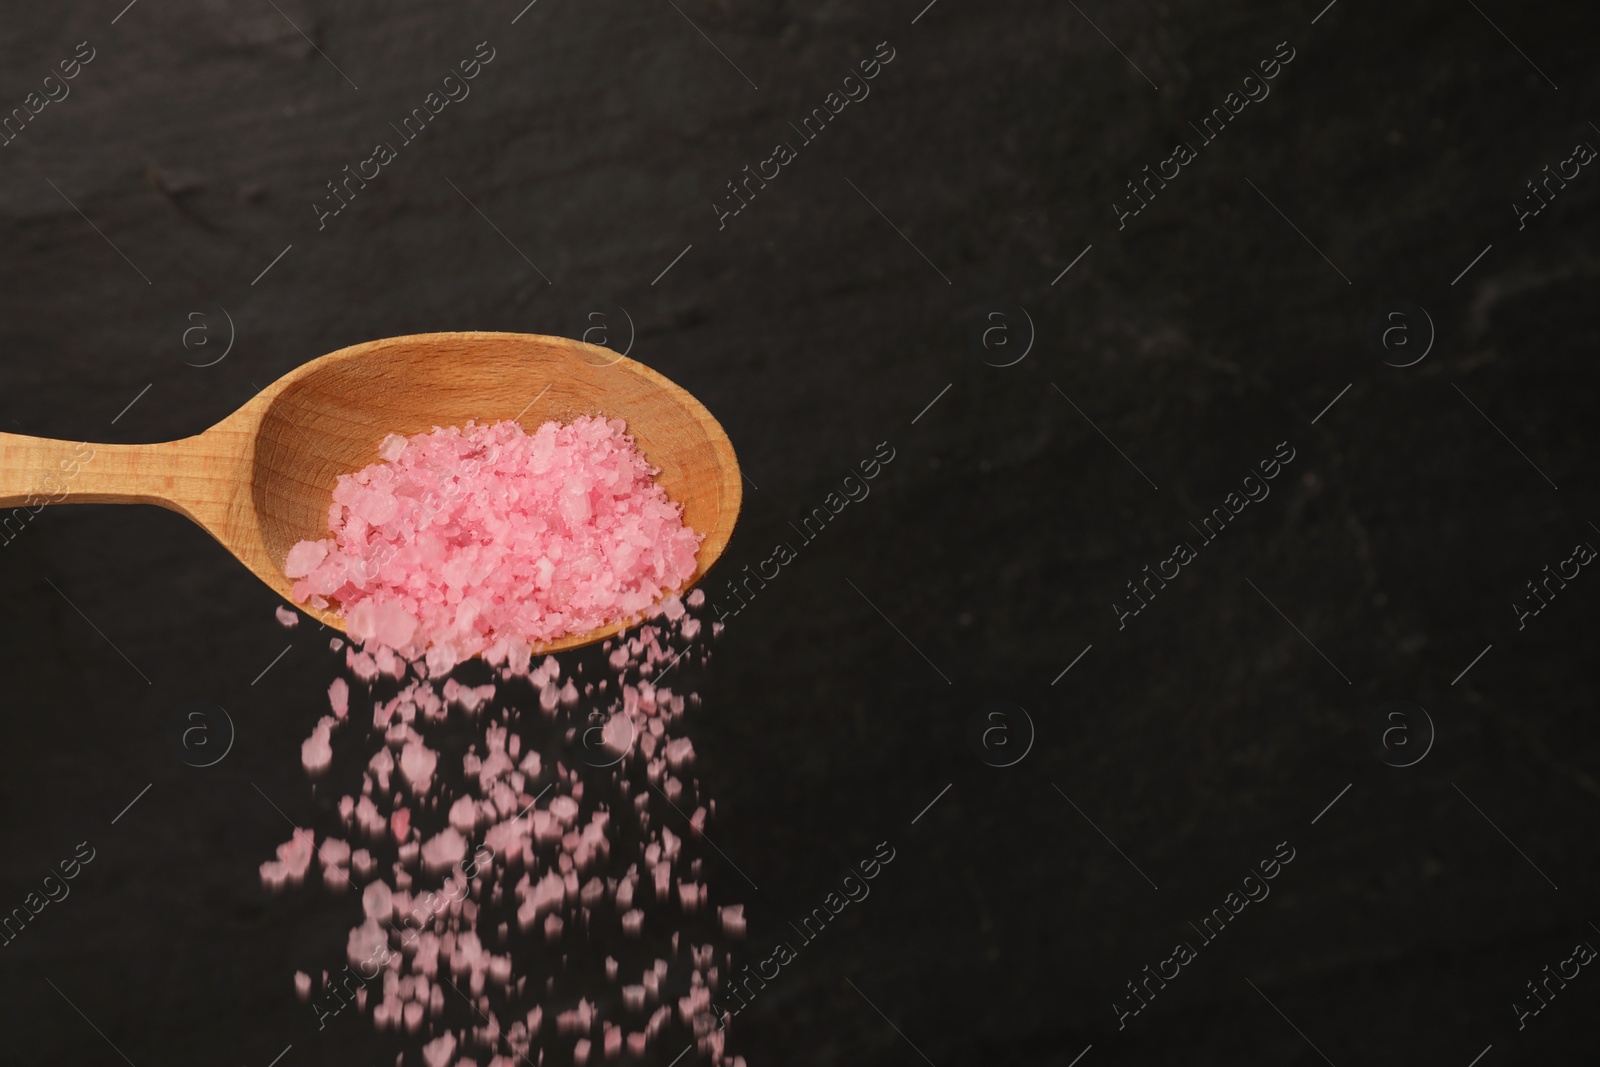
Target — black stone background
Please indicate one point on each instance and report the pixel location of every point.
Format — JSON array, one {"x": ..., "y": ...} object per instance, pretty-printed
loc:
[{"x": 1196, "y": 339}]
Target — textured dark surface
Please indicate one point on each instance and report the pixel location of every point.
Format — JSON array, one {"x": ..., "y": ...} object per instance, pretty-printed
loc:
[{"x": 1197, "y": 338}]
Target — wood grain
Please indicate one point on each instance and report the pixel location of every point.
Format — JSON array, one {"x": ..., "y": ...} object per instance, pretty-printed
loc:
[{"x": 262, "y": 478}]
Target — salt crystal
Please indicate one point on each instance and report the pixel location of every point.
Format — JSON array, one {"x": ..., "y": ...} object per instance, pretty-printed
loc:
[
  {"x": 334, "y": 852},
  {"x": 487, "y": 541},
  {"x": 417, "y": 762},
  {"x": 574, "y": 498},
  {"x": 294, "y": 858},
  {"x": 564, "y": 809},
  {"x": 286, "y": 618},
  {"x": 317, "y": 751},
  {"x": 679, "y": 753},
  {"x": 444, "y": 850},
  {"x": 548, "y": 893},
  {"x": 303, "y": 558},
  {"x": 618, "y": 733},
  {"x": 368, "y": 818},
  {"x": 663, "y": 877},
  {"x": 391, "y": 447},
  {"x": 377, "y": 901},
  {"x": 381, "y": 766},
  {"x": 361, "y": 664},
  {"x": 439, "y": 1051},
  {"x": 464, "y": 814},
  {"x": 365, "y": 942},
  {"x": 339, "y": 697}
]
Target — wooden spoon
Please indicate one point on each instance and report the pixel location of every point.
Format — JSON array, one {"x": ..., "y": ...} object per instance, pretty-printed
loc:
[{"x": 262, "y": 478}]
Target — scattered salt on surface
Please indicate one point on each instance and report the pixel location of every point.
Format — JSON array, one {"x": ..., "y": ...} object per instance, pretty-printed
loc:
[{"x": 286, "y": 618}]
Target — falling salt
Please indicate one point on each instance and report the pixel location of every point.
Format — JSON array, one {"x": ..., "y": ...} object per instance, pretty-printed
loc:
[{"x": 507, "y": 827}]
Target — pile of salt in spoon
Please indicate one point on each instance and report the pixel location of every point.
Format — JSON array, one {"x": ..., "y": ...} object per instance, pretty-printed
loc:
[
  {"x": 517, "y": 845},
  {"x": 461, "y": 541}
]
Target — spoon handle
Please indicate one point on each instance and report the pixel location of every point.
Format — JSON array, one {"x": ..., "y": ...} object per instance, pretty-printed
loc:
[{"x": 38, "y": 471}]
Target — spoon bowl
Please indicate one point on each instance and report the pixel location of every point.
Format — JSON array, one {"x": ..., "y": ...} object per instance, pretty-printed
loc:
[{"x": 262, "y": 479}]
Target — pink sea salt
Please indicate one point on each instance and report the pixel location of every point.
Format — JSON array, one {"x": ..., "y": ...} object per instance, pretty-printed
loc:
[
  {"x": 463, "y": 538},
  {"x": 564, "y": 861}
]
